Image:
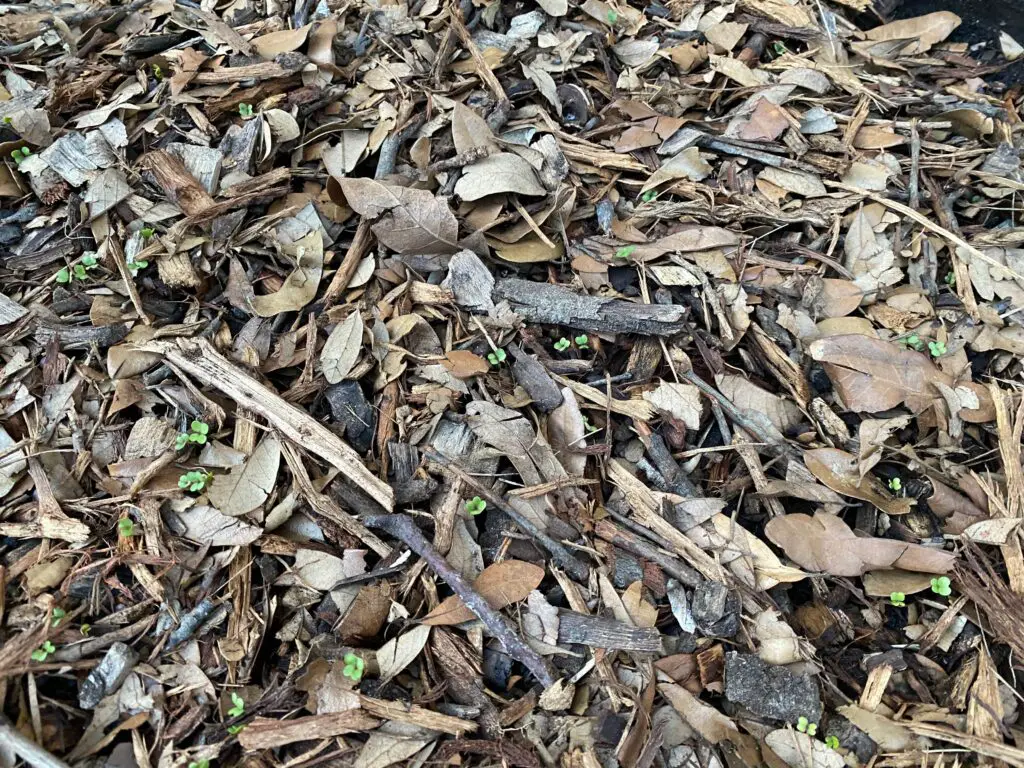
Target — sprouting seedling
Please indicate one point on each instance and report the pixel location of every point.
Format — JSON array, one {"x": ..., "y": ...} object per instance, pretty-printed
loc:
[
  {"x": 832, "y": 742},
  {"x": 895, "y": 485},
  {"x": 79, "y": 271},
  {"x": 195, "y": 480},
  {"x": 238, "y": 708},
  {"x": 197, "y": 432},
  {"x": 588, "y": 426},
  {"x": 562, "y": 344},
  {"x": 805, "y": 726},
  {"x": 20, "y": 154},
  {"x": 57, "y": 616},
  {"x": 125, "y": 527},
  {"x": 914, "y": 341},
  {"x": 158, "y": 73},
  {"x": 85, "y": 629},
  {"x": 40, "y": 653},
  {"x": 898, "y": 599},
  {"x": 234, "y": 730},
  {"x": 625, "y": 252},
  {"x": 941, "y": 586},
  {"x": 204, "y": 763},
  {"x": 937, "y": 348},
  {"x": 951, "y": 278},
  {"x": 8, "y": 119},
  {"x": 612, "y": 17},
  {"x": 245, "y": 110},
  {"x": 354, "y": 666},
  {"x": 475, "y": 506},
  {"x": 147, "y": 232},
  {"x": 137, "y": 266},
  {"x": 497, "y": 357},
  {"x": 649, "y": 196},
  {"x": 779, "y": 47},
  {"x": 581, "y": 341}
]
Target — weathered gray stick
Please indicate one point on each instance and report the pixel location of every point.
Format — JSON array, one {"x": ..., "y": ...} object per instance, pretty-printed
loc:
[
  {"x": 27, "y": 749},
  {"x": 404, "y": 529}
]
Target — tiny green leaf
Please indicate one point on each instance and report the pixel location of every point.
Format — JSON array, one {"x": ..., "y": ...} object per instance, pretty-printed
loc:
[
  {"x": 898, "y": 599},
  {"x": 581, "y": 341},
  {"x": 85, "y": 629},
  {"x": 951, "y": 278},
  {"x": 625, "y": 252},
  {"x": 832, "y": 742},
  {"x": 125, "y": 528},
  {"x": 937, "y": 348},
  {"x": 562, "y": 344},
  {"x": 649, "y": 196},
  {"x": 895, "y": 485},
  {"x": 612, "y": 17},
  {"x": 146, "y": 232},
  {"x": 475, "y": 506},
  {"x": 497, "y": 357},
  {"x": 239, "y": 705},
  {"x": 941, "y": 586},
  {"x": 79, "y": 272},
  {"x": 354, "y": 666},
  {"x": 63, "y": 275},
  {"x": 801, "y": 724},
  {"x": 58, "y": 614},
  {"x": 234, "y": 730},
  {"x": 181, "y": 440}
]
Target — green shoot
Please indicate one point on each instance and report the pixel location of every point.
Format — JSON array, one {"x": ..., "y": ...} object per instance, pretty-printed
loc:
[
  {"x": 40, "y": 653},
  {"x": 475, "y": 506},
  {"x": 234, "y": 730},
  {"x": 354, "y": 666},
  {"x": 898, "y": 599},
  {"x": 951, "y": 279},
  {"x": 625, "y": 252},
  {"x": 590, "y": 428},
  {"x": 648, "y": 196},
  {"x": 245, "y": 110},
  {"x": 832, "y": 742},
  {"x": 581, "y": 341},
  {"x": 63, "y": 275},
  {"x": 8, "y": 119},
  {"x": 562, "y": 344},
  {"x": 612, "y": 17},
  {"x": 239, "y": 705},
  {"x": 147, "y": 232},
  {"x": 941, "y": 586},
  {"x": 85, "y": 629},
  {"x": 204, "y": 763},
  {"x": 914, "y": 341},
  {"x": 158, "y": 73},
  {"x": 895, "y": 485},
  {"x": 57, "y": 616},
  {"x": 20, "y": 154},
  {"x": 195, "y": 480},
  {"x": 804, "y": 726},
  {"x": 497, "y": 357},
  {"x": 137, "y": 266},
  {"x": 937, "y": 348},
  {"x": 125, "y": 528},
  {"x": 198, "y": 430}
]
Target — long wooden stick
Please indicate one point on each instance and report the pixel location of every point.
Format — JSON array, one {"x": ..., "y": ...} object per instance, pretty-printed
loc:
[{"x": 27, "y": 749}]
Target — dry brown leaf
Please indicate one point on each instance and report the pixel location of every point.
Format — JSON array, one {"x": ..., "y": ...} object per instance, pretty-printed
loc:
[
  {"x": 709, "y": 723},
  {"x": 341, "y": 159},
  {"x": 875, "y": 375},
  {"x": 498, "y": 173},
  {"x": 464, "y": 364},
  {"x": 399, "y": 652},
  {"x": 248, "y": 486},
  {"x": 283, "y": 41},
  {"x": 783, "y": 413},
  {"x": 685, "y": 241},
  {"x": 840, "y": 471},
  {"x": 341, "y": 350},
  {"x": 874, "y": 137},
  {"x": 767, "y": 122},
  {"x": 500, "y": 584},
  {"x": 411, "y": 220},
  {"x": 925, "y": 30},
  {"x": 300, "y": 286},
  {"x": 826, "y": 544}
]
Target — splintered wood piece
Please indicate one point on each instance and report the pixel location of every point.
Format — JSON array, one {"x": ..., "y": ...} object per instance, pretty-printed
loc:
[
  {"x": 598, "y": 632},
  {"x": 198, "y": 358},
  {"x": 560, "y": 305},
  {"x": 267, "y": 732},
  {"x": 874, "y": 688},
  {"x": 180, "y": 185}
]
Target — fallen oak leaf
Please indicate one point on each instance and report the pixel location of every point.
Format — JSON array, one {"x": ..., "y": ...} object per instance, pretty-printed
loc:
[
  {"x": 826, "y": 544},
  {"x": 840, "y": 471},
  {"x": 502, "y": 172},
  {"x": 500, "y": 584},
  {"x": 247, "y": 486},
  {"x": 301, "y": 285},
  {"x": 410, "y": 219}
]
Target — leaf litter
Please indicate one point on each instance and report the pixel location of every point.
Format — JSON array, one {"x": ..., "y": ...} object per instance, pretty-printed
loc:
[{"x": 556, "y": 384}]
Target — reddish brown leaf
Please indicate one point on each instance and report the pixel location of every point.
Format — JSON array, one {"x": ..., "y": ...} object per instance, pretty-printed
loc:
[{"x": 500, "y": 584}]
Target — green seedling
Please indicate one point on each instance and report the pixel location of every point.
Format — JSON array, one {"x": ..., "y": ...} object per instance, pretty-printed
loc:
[
  {"x": 562, "y": 344},
  {"x": 234, "y": 730},
  {"x": 914, "y": 342},
  {"x": 239, "y": 706},
  {"x": 197, "y": 432},
  {"x": 497, "y": 357},
  {"x": 8, "y": 119},
  {"x": 195, "y": 480},
  {"x": 85, "y": 629},
  {"x": 147, "y": 232},
  {"x": 20, "y": 154},
  {"x": 475, "y": 506},
  {"x": 649, "y": 196},
  {"x": 625, "y": 252},
  {"x": 898, "y": 599},
  {"x": 137, "y": 266},
  {"x": 354, "y": 666},
  {"x": 951, "y": 279},
  {"x": 40, "y": 653},
  {"x": 832, "y": 742},
  {"x": 612, "y": 17},
  {"x": 581, "y": 341},
  {"x": 778, "y": 48},
  {"x": 158, "y": 73},
  {"x": 805, "y": 726},
  {"x": 895, "y": 485},
  {"x": 57, "y": 616},
  {"x": 941, "y": 586},
  {"x": 590, "y": 428},
  {"x": 937, "y": 348},
  {"x": 125, "y": 528},
  {"x": 204, "y": 763},
  {"x": 78, "y": 272},
  {"x": 245, "y": 110}
]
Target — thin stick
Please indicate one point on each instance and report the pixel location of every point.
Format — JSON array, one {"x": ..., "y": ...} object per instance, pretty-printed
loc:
[
  {"x": 27, "y": 749},
  {"x": 559, "y": 553},
  {"x": 403, "y": 528}
]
